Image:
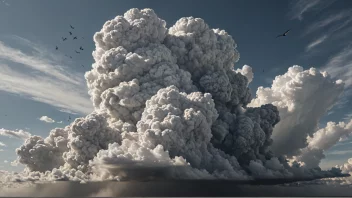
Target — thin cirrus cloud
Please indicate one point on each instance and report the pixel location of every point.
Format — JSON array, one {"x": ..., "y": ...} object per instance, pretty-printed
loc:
[
  {"x": 54, "y": 84},
  {"x": 343, "y": 152},
  {"x": 19, "y": 134},
  {"x": 333, "y": 27},
  {"x": 332, "y": 19},
  {"x": 340, "y": 65},
  {"x": 37, "y": 63},
  {"x": 2, "y": 144},
  {"x": 5, "y": 3},
  {"x": 301, "y": 7},
  {"x": 316, "y": 42}
]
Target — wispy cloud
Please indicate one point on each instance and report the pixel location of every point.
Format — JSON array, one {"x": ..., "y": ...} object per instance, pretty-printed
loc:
[
  {"x": 348, "y": 116},
  {"x": 67, "y": 111},
  {"x": 20, "y": 134},
  {"x": 5, "y": 2},
  {"x": 300, "y": 7},
  {"x": 332, "y": 26},
  {"x": 37, "y": 63},
  {"x": 331, "y": 23},
  {"x": 45, "y": 89},
  {"x": 338, "y": 152},
  {"x": 343, "y": 143},
  {"x": 316, "y": 42},
  {"x": 339, "y": 66},
  {"x": 55, "y": 84},
  {"x": 46, "y": 119},
  {"x": 2, "y": 144}
]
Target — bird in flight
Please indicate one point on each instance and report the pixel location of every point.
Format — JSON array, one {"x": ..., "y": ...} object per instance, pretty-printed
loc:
[
  {"x": 81, "y": 48},
  {"x": 72, "y": 27},
  {"x": 69, "y": 118},
  {"x": 74, "y": 37},
  {"x": 70, "y": 33},
  {"x": 56, "y": 48},
  {"x": 64, "y": 39},
  {"x": 284, "y": 34},
  {"x": 77, "y": 52}
]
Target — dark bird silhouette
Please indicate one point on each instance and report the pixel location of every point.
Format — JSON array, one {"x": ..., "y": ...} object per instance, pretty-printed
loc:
[
  {"x": 56, "y": 48},
  {"x": 284, "y": 34},
  {"x": 81, "y": 48},
  {"x": 74, "y": 37},
  {"x": 69, "y": 118},
  {"x": 64, "y": 39},
  {"x": 70, "y": 33},
  {"x": 77, "y": 52},
  {"x": 72, "y": 27}
]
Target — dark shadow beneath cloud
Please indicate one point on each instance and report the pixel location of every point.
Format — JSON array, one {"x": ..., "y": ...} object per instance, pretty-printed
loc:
[{"x": 185, "y": 188}]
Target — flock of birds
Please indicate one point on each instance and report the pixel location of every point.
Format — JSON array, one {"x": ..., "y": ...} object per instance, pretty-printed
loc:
[
  {"x": 77, "y": 52},
  {"x": 81, "y": 49},
  {"x": 73, "y": 38}
]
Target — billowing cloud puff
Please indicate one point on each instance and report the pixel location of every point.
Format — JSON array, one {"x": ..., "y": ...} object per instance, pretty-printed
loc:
[
  {"x": 347, "y": 167},
  {"x": 171, "y": 100},
  {"x": 298, "y": 95},
  {"x": 321, "y": 141},
  {"x": 43, "y": 154},
  {"x": 247, "y": 72}
]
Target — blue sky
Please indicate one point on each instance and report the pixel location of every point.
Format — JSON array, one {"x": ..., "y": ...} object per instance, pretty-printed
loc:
[{"x": 36, "y": 80}]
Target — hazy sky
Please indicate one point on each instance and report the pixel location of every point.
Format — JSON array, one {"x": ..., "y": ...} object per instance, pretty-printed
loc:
[{"x": 36, "y": 80}]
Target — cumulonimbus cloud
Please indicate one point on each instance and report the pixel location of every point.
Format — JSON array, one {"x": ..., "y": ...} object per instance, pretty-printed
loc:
[{"x": 171, "y": 100}]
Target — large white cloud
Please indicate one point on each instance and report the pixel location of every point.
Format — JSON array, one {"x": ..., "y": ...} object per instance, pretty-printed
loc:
[
  {"x": 171, "y": 99},
  {"x": 303, "y": 97}
]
